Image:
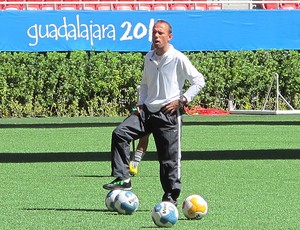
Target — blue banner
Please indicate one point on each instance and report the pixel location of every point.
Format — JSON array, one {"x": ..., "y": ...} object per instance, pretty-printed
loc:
[{"x": 131, "y": 30}]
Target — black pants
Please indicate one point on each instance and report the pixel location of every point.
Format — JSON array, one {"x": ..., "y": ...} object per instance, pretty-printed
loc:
[{"x": 166, "y": 130}]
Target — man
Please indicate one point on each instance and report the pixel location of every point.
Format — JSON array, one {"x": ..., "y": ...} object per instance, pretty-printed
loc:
[{"x": 159, "y": 112}]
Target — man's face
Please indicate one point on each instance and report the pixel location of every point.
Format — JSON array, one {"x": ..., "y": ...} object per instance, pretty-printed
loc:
[{"x": 161, "y": 35}]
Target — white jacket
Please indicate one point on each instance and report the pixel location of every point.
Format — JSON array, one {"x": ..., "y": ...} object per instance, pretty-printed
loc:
[{"x": 163, "y": 79}]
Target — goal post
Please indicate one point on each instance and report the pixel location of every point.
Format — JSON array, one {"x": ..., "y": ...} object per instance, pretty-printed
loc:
[{"x": 232, "y": 110}]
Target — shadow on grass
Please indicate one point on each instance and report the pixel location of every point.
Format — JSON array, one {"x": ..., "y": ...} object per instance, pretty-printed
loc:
[
  {"x": 187, "y": 155},
  {"x": 67, "y": 209},
  {"x": 75, "y": 210},
  {"x": 114, "y": 124},
  {"x": 57, "y": 125}
]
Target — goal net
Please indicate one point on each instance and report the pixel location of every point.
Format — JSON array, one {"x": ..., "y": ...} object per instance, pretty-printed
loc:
[{"x": 279, "y": 98}]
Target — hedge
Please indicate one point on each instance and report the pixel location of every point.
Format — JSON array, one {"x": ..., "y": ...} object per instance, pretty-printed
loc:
[{"x": 81, "y": 83}]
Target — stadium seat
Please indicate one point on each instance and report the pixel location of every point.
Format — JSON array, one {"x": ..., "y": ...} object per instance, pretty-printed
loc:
[
  {"x": 108, "y": 1},
  {"x": 68, "y": 5},
  {"x": 12, "y": 7},
  {"x": 123, "y": 7},
  {"x": 288, "y": 6},
  {"x": 198, "y": 6},
  {"x": 89, "y": 6},
  {"x": 31, "y": 7},
  {"x": 104, "y": 7},
  {"x": 281, "y": 6},
  {"x": 179, "y": 6},
  {"x": 125, "y": 1},
  {"x": 270, "y": 6},
  {"x": 143, "y": 6},
  {"x": 48, "y": 6},
  {"x": 214, "y": 7},
  {"x": 159, "y": 6}
]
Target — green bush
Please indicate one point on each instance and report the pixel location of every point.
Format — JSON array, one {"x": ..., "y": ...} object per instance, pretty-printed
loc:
[{"x": 83, "y": 83}]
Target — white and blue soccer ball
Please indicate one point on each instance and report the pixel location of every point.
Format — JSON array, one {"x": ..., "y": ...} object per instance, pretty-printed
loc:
[
  {"x": 165, "y": 214},
  {"x": 126, "y": 202},
  {"x": 110, "y": 199},
  {"x": 194, "y": 207}
]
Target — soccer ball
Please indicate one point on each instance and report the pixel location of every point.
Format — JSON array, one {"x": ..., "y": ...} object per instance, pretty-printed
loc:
[
  {"x": 164, "y": 214},
  {"x": 126, "y": 202},
  {"x": 110, "y": 199},
  {"x": 194, "y": 207}
]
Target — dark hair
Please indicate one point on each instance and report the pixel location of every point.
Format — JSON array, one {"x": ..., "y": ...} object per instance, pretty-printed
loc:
[{"x": 163, "y": 21}]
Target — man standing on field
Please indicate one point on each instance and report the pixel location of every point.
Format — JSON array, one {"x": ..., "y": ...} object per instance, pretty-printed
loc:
[{"x": 159, "y": 112}]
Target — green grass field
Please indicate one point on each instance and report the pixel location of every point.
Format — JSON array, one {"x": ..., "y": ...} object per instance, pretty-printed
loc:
[{"x": 246, "y": 167}]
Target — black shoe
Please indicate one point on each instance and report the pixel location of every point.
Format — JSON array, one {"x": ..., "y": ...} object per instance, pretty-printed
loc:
[
  {"x": 118, "y": 184},
  {"x": 170, "y": 199},
  {"x": 172, "y": 196}
]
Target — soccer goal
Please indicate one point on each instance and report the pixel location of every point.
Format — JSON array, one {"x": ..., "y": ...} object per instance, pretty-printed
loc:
[{"x": 291, "y": 110}]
